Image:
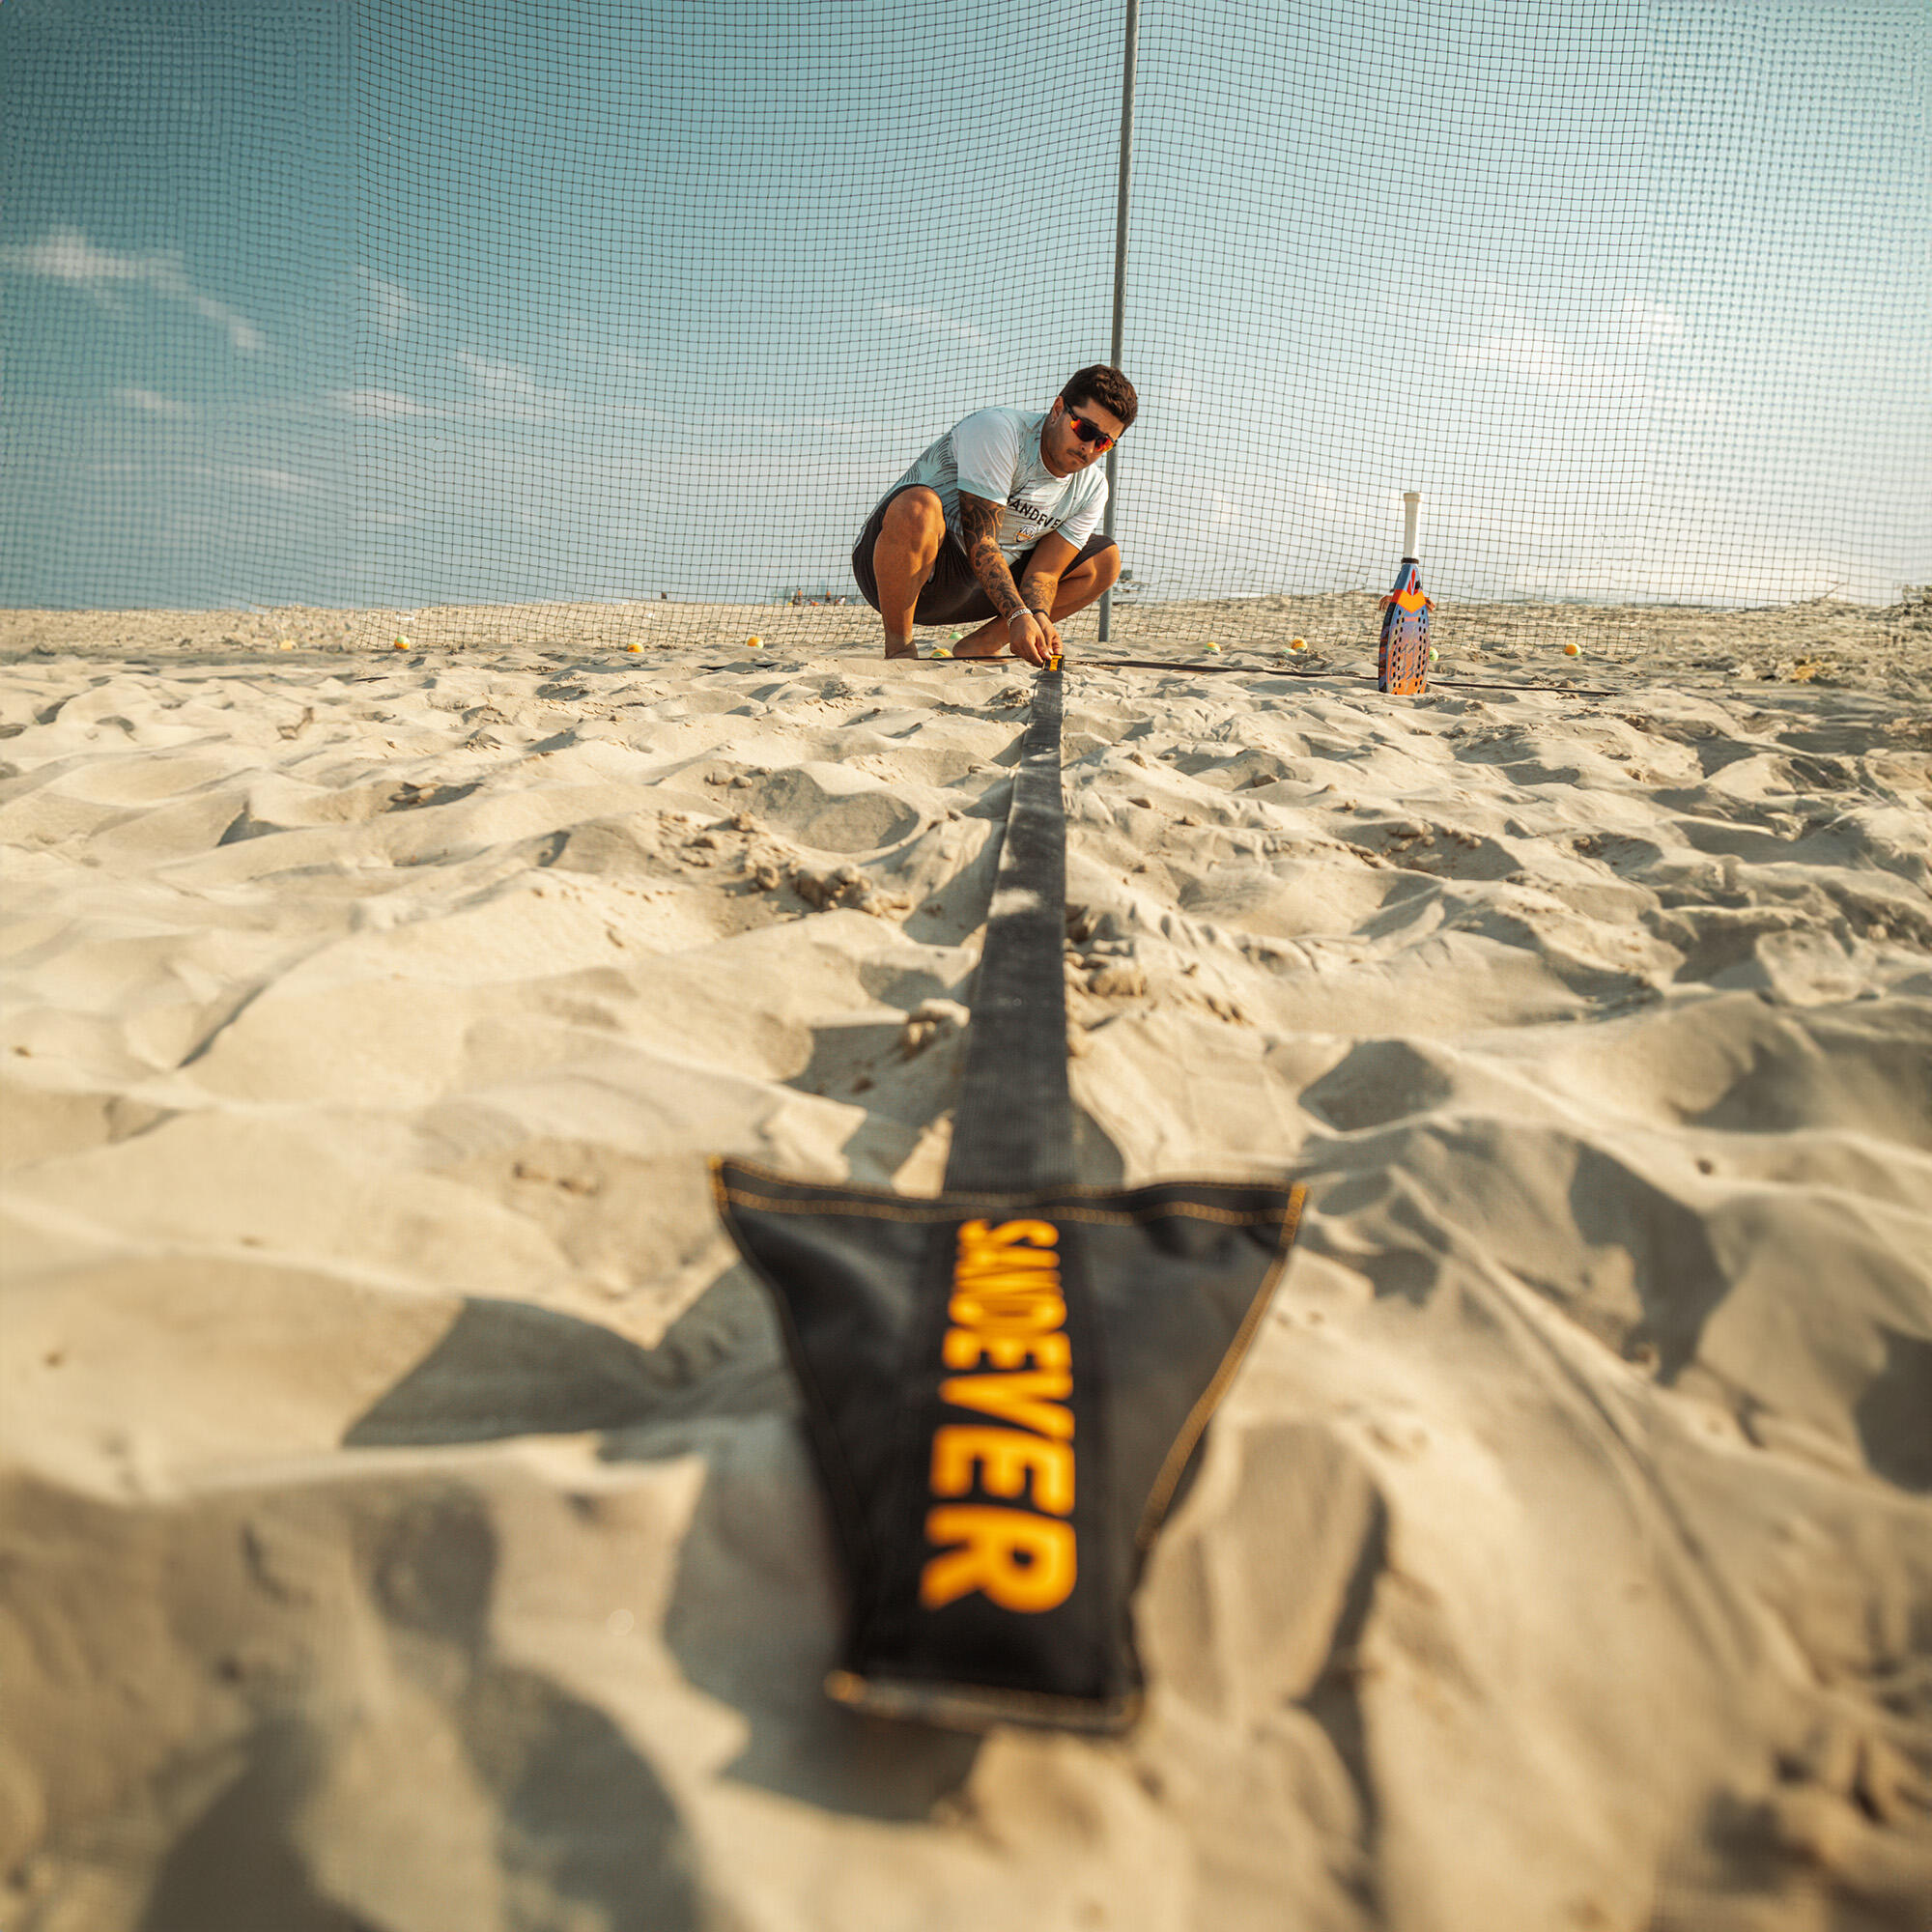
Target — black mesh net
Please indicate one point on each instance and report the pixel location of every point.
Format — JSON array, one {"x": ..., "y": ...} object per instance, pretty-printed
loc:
[{"x": 438, "y": 314}]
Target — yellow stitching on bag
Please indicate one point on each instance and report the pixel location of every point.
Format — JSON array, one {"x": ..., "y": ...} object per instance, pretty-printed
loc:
[
  {"x": 1005, "y": 1203},
  {"x": 927, "y": 1212},
  {"x": 1182, "y": 1446}
]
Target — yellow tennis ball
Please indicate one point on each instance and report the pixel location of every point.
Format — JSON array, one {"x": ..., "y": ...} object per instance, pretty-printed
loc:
[
  {"x": 940, "y": 651},
  {"x": 1571, "y": 651},
  {"x": 401, "y": 644},
  {"x": 634, "y": 648},
  {"x": 754, "y": 644},
  {"x": 1297, "y": 644},
  {"x": 285, "y": 645},
  {"x": 1214, "y": 647}
]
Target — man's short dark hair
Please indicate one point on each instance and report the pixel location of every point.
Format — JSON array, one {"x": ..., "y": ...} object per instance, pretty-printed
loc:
[{"x": 1101, "y": 383}]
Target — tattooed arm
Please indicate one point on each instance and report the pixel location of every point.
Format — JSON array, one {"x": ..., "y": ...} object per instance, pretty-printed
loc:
[
  {"x": 980, "y": 531},
  {"x": 979, "y": 527},
  {"x": 1040, "y": 585}
]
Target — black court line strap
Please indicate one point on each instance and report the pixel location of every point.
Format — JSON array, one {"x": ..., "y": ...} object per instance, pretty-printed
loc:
[
  {"x": 1283, "y": 670},
  {"x": 1190, "y": 666},
  {"x": 1557, "y": 690},
  {"x": 1011, "y": 1608},
  {"x": 1013, "y": 1130}
]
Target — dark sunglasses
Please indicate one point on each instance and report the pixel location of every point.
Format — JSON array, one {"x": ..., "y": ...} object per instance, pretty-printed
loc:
[{"x": 1089, "y": 433}]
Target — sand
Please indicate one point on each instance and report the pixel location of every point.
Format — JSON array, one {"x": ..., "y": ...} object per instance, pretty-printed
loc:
[{"x": 405, "y": 1521}]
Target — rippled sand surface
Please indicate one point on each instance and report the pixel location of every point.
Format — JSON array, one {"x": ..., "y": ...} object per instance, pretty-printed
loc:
[{"x": 404, "y": 1512}]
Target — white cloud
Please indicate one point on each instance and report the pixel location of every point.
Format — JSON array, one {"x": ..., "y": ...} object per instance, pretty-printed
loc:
[
  {"x": 378, "y": 404},
  {"x": 718, "y": 420},
  {"x": 395, "y": 308},
  {"x": 1542, "y": 359},
  {"x": 67, "y": 255},
  {"x": 192, "y": 488},
  {"x": 1652, "y": 322},
  {"x": 283, "y": 482},
  {"x": 510, "y": 389},
  {"x": 504, "y": 389},
  {"x": 1552, "y": 361},
  {"x": 931, "y": 319},
  {"x": 838, "y": 427},
  {"x": 152, "y": 402}
]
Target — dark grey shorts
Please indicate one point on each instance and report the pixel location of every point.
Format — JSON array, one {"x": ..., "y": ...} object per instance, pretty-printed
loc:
[{"x": 952, "y": 593}]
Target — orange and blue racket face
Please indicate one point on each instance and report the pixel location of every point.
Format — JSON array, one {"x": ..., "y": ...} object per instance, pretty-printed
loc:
[{"x": 1402, "y": 665}]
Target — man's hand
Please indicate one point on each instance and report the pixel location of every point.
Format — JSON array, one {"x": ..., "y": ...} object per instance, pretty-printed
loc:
[
  {"x": 1039, "y": 586},
  {"x": 1034, "y": 636}
]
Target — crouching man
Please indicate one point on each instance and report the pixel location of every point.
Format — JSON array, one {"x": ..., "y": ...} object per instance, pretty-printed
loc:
[{"x": 998, "y": 524}]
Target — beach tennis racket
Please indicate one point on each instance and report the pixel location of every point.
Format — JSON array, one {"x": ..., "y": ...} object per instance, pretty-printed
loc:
[{"x": 1402, "y": 664}]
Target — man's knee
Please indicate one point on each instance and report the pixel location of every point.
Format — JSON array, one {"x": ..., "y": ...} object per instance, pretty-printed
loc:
[
  {"x": 915, "y": 519},
  {"x": 1099, "y": 570}
]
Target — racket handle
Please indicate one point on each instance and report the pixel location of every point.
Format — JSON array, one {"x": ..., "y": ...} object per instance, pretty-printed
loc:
[{"x": 1411, "y": 507}]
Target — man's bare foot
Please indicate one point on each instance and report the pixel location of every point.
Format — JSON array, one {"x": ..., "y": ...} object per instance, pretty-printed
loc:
[
  {"x": 991, "y": 639},
  {"x": 895, "y": 649}
]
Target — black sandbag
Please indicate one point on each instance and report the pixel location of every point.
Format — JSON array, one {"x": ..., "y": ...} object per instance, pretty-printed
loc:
[{"x": 1002, "y": 1394}]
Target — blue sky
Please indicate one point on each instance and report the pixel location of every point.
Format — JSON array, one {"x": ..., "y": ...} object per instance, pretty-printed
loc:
[{"x": 589, "y": 299}]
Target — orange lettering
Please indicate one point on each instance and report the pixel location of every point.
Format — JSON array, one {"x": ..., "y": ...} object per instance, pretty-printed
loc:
[
  {"x": 1021, "y": 1561},
  {"x": 1018, "y": 1289},
  {"x": 1006, "y": 1309},
  {"x": 966, "y": 1347},
  {"x": 1016, "y": 1314},
  {"x": 1021, "y": 1263},
  {"x": 1029, "y": 1399},
  {"x": 1005, "y": 1458},
  {"x": 978, "y": 1240}
]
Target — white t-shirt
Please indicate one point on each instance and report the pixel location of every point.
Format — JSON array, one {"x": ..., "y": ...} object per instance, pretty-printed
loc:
[{"x": 995, "y": 454}]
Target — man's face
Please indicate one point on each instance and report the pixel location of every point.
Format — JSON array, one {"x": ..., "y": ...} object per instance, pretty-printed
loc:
[{"x": 1063, "y": 448}]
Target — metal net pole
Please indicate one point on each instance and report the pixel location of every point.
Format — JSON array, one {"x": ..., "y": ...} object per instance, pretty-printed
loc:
[{"x": 1120, "y": 273}]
